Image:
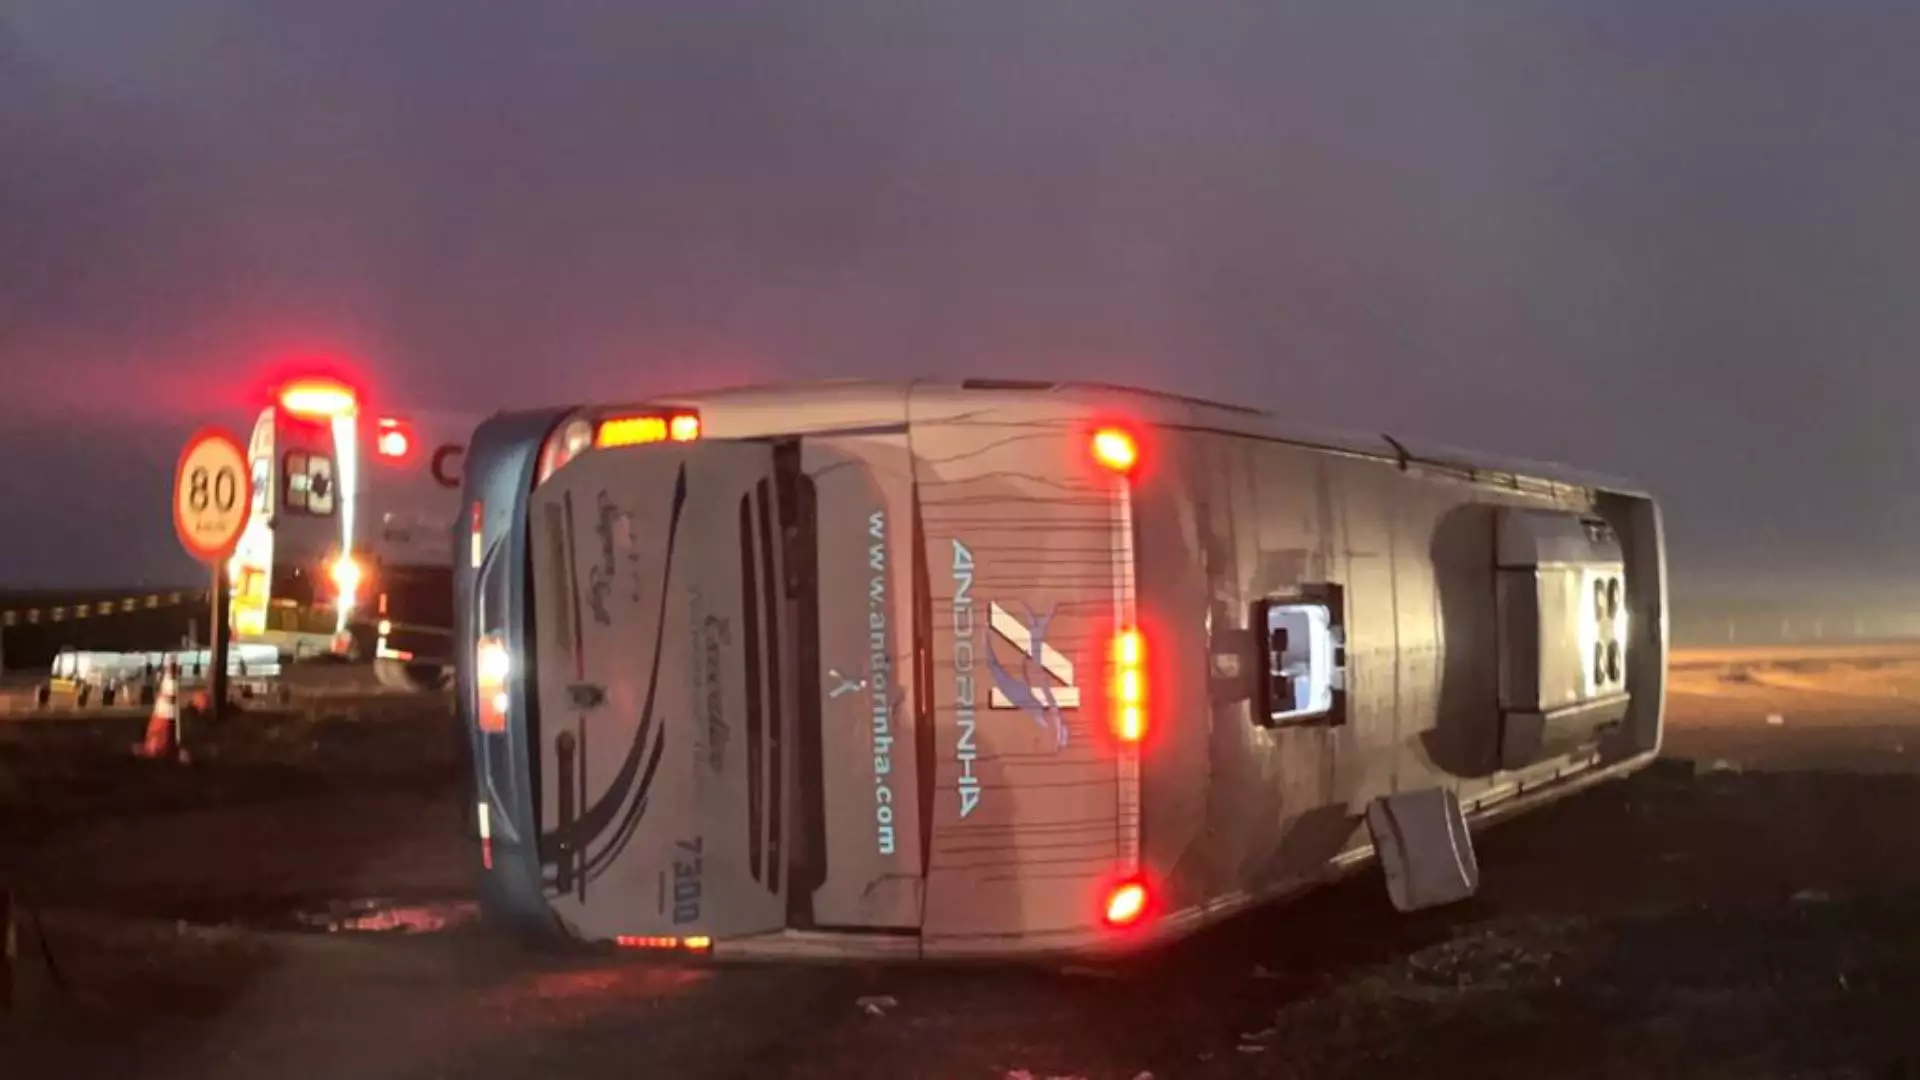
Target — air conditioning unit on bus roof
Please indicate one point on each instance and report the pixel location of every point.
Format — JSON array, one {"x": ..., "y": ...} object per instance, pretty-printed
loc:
[{"x": 1563, "y": 632}]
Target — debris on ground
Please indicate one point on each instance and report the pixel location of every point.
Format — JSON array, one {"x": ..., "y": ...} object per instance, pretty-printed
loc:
[{"x": 876, "y": 1005}]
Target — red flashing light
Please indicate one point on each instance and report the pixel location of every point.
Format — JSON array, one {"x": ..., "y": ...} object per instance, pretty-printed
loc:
[
  {"x": 1116, "y": 450},
  {"x": 1126, "y": 904},
  {"x": 391, "y": 439},
  {"x": 317, "y": 399},
  {"x": 684, "y": 428}
]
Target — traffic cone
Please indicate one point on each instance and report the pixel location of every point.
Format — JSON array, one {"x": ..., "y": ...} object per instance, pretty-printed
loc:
[{"x": 162, "y": 725}]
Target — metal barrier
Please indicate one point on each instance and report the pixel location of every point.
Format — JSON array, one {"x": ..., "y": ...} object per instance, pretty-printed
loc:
[
  {"x": 33, "y": 628},
  {"x": 43, "y": 614}
]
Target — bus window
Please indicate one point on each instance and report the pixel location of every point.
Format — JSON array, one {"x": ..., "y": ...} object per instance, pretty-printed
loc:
[
  {"x": 309, "y": 483},
  {"x": 262, "y": 489},
  {"x": 1304, "y": 677}
]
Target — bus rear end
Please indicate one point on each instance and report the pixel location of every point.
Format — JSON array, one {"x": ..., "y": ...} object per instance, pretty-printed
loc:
[
  {"x": 1039, "y": 680},
  {"x": 869, "y": 690}
]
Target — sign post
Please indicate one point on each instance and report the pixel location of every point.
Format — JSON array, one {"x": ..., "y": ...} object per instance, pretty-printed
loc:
[{"x": 212, "y": 500}]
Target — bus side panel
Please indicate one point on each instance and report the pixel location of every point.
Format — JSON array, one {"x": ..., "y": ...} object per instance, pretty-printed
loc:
[
  {"x": 1413, "y": 557},
  {"x": 1231, "y": 804},
  {"x": 1020, "y": 534}
]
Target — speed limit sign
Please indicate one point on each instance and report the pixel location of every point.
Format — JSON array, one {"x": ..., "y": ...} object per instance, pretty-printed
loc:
[{"x": 212, "y": 495}]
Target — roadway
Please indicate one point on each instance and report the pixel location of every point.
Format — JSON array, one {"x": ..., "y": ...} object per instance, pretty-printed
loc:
[{"x": 1746, "y": 906}]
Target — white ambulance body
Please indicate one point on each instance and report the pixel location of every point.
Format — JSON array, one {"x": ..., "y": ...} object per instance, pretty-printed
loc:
[{"x": 350, "y": 546}]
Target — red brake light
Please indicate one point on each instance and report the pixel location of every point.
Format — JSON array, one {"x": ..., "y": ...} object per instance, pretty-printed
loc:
[
  {"x": 1126, "y": 904},
  {"x": 685, "y": 427},
  {"x": 317, "y": 399},
  {"x": 391, "y": 439},
  {"x": 1129, "y": 686},
  {"x": 1115, "y": 449}
]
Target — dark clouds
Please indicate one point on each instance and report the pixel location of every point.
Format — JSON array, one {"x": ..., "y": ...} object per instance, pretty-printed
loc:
[{"x": 1666, "y": 240}]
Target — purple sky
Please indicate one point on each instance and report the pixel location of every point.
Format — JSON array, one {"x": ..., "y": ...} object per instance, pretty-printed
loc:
[{"x": 1670, "y": 240}]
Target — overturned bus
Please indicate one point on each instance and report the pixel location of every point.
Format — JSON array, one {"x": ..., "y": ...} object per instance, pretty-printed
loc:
[{"x": 1000, "y": 668}]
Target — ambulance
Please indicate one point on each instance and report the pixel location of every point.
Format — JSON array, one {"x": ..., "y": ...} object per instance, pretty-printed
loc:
[{"x": 349, "y": 549}]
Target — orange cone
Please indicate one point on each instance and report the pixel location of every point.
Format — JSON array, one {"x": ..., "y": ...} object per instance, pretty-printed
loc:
[{"x": 162, "y": 725}]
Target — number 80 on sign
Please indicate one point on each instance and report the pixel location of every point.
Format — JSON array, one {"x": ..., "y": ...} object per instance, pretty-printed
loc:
[{"x": 212, "y": 495}]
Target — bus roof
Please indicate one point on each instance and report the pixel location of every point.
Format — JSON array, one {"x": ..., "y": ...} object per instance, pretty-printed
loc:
[{"x": 956, "y": 398}]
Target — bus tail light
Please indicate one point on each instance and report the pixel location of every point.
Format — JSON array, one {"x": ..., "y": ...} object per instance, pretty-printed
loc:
[
  {"x": 1115, "y": 449},
  {"x": 1129, "y": 685},
  {"x": 492, "y": 664},
  {"x": 644, "y": 429},
  {"x": 1126, "y": 904},
  {"x": 578, "y": 435},
  {"x": 696, "y": 943}
]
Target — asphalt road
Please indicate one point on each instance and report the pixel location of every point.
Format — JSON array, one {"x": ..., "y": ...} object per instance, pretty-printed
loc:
[{"x": 1747, "y": 907}]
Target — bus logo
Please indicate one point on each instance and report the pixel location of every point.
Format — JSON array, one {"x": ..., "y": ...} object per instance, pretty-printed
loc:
[{"x": 1042, "y": 701}]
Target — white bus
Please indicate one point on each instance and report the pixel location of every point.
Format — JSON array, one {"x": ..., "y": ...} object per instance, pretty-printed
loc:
[
  {"x": 350, "y": 546},
  {"x": 1000, "y": 669}
]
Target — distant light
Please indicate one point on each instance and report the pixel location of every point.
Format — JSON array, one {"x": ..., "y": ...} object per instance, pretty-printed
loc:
[{"x": 346, "y": 578}]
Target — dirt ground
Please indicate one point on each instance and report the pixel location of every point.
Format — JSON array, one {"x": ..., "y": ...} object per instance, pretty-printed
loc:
[{"x": 1748, "y": 907}]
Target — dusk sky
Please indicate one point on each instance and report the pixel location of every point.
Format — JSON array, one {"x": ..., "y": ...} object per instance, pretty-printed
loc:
[{"x": 1674, "y": 241}]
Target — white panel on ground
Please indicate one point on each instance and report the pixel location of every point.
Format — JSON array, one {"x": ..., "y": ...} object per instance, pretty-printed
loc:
[{"x": 1424, "y": 848}]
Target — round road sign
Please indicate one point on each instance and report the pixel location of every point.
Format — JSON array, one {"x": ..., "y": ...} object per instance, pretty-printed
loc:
[{"x": 212, "y": 495}]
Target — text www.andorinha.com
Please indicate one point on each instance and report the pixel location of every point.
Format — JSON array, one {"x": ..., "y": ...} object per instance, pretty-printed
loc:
[{"x": 879, "y": 686}]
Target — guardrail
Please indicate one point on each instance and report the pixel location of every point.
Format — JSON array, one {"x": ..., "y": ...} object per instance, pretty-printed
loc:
[
  {"x": 32, "y": 633},
  {"x": 1792, "y": 628},
  {"x": 57, "y": 613}
]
